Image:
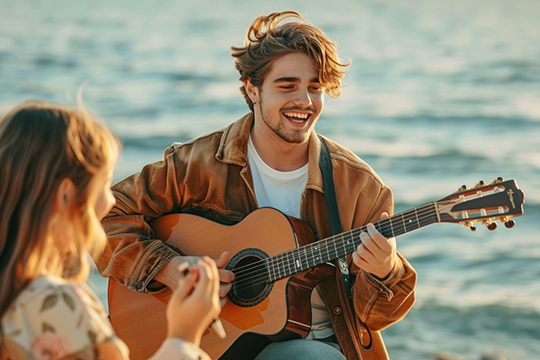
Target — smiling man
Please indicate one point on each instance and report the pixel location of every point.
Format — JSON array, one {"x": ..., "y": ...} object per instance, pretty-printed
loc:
[{"x": 270, "y": 158}]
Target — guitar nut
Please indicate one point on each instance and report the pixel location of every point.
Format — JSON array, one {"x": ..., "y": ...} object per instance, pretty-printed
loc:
[{"x": 337, "y": 310}]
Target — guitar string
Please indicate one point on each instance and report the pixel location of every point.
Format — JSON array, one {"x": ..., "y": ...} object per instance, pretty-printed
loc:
[
  {"x": 256, "y": 271},
  {"x": 346, "y": 236},
  {"x": 419, "y": 213},
  {"x": 284, "y": 259}
]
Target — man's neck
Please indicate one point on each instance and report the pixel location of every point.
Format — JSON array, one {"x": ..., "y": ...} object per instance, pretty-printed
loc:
[{"x": 278, "y": 153}]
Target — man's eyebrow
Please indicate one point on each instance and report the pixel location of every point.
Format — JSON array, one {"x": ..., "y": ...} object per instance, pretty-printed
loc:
[{"x": 293, "y": 79}]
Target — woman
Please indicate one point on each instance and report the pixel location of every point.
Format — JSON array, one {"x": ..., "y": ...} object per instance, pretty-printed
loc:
[{"x": 56, "y": 169}]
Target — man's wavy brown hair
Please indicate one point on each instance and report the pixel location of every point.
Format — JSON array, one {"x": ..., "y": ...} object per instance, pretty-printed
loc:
[{"x": 270, "y": 37}]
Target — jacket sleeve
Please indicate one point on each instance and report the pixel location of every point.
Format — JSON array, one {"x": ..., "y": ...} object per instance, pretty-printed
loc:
[
  {"x": 381, "y": 303},
  {"x": 132, "y": 255}
]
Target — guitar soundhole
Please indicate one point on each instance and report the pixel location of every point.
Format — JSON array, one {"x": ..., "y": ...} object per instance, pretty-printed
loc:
[{"x": 252, "y": 283}]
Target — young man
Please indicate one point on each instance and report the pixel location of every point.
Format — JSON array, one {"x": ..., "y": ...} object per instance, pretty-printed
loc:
[{"x": 270, "y": 157}]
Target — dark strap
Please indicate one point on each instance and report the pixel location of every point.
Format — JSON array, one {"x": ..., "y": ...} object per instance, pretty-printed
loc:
[{"x": 325, "y": 164}]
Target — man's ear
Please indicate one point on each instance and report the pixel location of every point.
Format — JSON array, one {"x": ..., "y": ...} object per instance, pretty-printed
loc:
[
  {"x": 65, "y": 196},
  {"x": 252, "y": 91}
]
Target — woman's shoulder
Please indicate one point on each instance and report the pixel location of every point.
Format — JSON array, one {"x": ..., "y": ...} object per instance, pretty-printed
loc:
[
  {"x": 55, "y": 313},
  {"x": 47, "y": 293}
]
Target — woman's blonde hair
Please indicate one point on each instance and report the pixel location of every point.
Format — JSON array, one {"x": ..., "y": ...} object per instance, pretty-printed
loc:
[
  {"x": 280, "y": 33},
  {"x": 40, "y": 146}
]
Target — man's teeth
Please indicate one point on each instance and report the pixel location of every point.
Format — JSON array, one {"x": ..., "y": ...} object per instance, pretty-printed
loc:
[{"x": 296, "y": 117}]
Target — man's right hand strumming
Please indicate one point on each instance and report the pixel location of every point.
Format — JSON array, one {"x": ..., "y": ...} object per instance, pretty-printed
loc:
[{"x": 174, "y": 270}]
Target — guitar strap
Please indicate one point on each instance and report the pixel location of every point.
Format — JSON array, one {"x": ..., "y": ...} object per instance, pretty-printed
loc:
[{"x": 325, "y": 164}]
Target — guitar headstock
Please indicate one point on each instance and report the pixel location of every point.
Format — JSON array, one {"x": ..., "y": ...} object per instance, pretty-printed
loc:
[{"x": 497, "y": 201}]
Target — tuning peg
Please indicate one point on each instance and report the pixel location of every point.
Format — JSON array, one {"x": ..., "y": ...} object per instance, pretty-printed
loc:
[
  {"x": 509, "y": 224},
  {"x": 497, "y": 180},
  {"x": 472, "y": 228},
  {"x": 480, "y": 183},
  {"x": 462, "y": 188},
  {"x": 492, "y": 226}
]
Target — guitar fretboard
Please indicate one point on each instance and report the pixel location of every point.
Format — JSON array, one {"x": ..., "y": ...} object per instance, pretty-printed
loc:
[{"x": 306, "y": 257}]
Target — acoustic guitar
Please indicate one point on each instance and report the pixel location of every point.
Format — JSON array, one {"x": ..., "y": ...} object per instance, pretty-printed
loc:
[{"x": 277, "y": 263}]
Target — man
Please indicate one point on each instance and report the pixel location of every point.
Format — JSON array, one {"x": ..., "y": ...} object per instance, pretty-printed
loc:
[{"x": 270, "y": 157}]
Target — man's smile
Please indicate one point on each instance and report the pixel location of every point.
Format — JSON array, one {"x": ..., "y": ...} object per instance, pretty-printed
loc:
[{"x": 297, "y": 117}]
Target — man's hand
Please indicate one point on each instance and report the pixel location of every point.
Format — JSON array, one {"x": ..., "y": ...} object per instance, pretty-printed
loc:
[
  {"x": 225, "y": 277},
  {"x": 376, "y": 254},
  {"x": 173, "y": 272}
]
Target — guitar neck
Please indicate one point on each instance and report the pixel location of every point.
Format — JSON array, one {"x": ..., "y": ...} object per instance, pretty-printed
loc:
[{"x": 306, "y": 257}]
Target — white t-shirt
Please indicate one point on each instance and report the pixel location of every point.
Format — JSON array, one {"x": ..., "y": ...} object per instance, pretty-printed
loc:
[{"x": 283, "y": 190}]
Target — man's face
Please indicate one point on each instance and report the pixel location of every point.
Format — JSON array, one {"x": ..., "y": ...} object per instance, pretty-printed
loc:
[{"x": 290, "y": 98}]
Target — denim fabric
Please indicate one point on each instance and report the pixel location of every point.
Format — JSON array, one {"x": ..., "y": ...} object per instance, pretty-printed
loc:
[{"x": 301, "y": 350}]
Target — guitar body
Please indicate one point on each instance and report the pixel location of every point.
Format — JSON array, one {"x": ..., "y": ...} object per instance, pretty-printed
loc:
[{"x": 278, "y": 311}]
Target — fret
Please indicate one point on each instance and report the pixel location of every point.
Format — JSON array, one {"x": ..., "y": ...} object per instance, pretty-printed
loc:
[
  {"x": 293, "y": 261},
  {"x": 404, "y": 229},
  {"x": 290, "y": 262},
  {"x": 319, "y": 257},
  {"x": 342, "y": 249},
  {"x": 345, "y": 244},
  {"x": 314, "y": 254},
  {"x": 327, "y": 248},
  {"x": 280, "y": 267},
  {"x": 409, "y": 223},
  {"x": 377, "y": 226},
  {"x": 309, "y": 255},
  {"x": 297, "y": 264},
  {"x": 335, "y": 247},
  {"x": 356, "y": 239},
  {"x": 273, "y": 264},
  {"x": 353, "y": 242},
  {"x": 306, "y": 257},
  {"x": 391, "y": 227},
  {"x": 286, "y": 264},
  {"x": 269, "y": 269},
  {"x": 385, "y": 228},
  {"x": 298, "y": 260},
  {"x": 432, "y": 218}
]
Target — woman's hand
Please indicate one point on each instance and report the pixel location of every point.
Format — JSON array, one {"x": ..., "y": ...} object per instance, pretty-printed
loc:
[{"x": 195, "y": 303}]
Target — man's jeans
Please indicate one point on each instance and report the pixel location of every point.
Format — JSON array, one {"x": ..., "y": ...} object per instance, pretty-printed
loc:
[{"x": 301, "y": 349}]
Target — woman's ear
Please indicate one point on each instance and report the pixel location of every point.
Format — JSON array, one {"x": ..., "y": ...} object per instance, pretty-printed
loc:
[
  {"x": 65, "y": 196},
  {"x": 252, "y": 91}
]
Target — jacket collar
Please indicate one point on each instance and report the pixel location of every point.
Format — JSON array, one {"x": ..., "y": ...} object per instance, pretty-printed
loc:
[{"x": 234, "y": 143}]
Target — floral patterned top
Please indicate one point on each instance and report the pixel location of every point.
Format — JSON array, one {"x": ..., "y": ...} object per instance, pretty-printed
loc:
[{"x": 56, "y": 319}]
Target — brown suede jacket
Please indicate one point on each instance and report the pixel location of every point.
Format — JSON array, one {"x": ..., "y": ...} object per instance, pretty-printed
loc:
[{"x": 210, "y": 176}]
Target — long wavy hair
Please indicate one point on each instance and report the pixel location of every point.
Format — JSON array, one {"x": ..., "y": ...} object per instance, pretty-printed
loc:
[
  {"x": 40, "y": 146},
  {"x": 280, "y": 33}
]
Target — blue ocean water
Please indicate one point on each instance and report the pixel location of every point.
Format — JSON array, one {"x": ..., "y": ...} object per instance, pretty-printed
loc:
[{"x": 439, "y": 94}]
